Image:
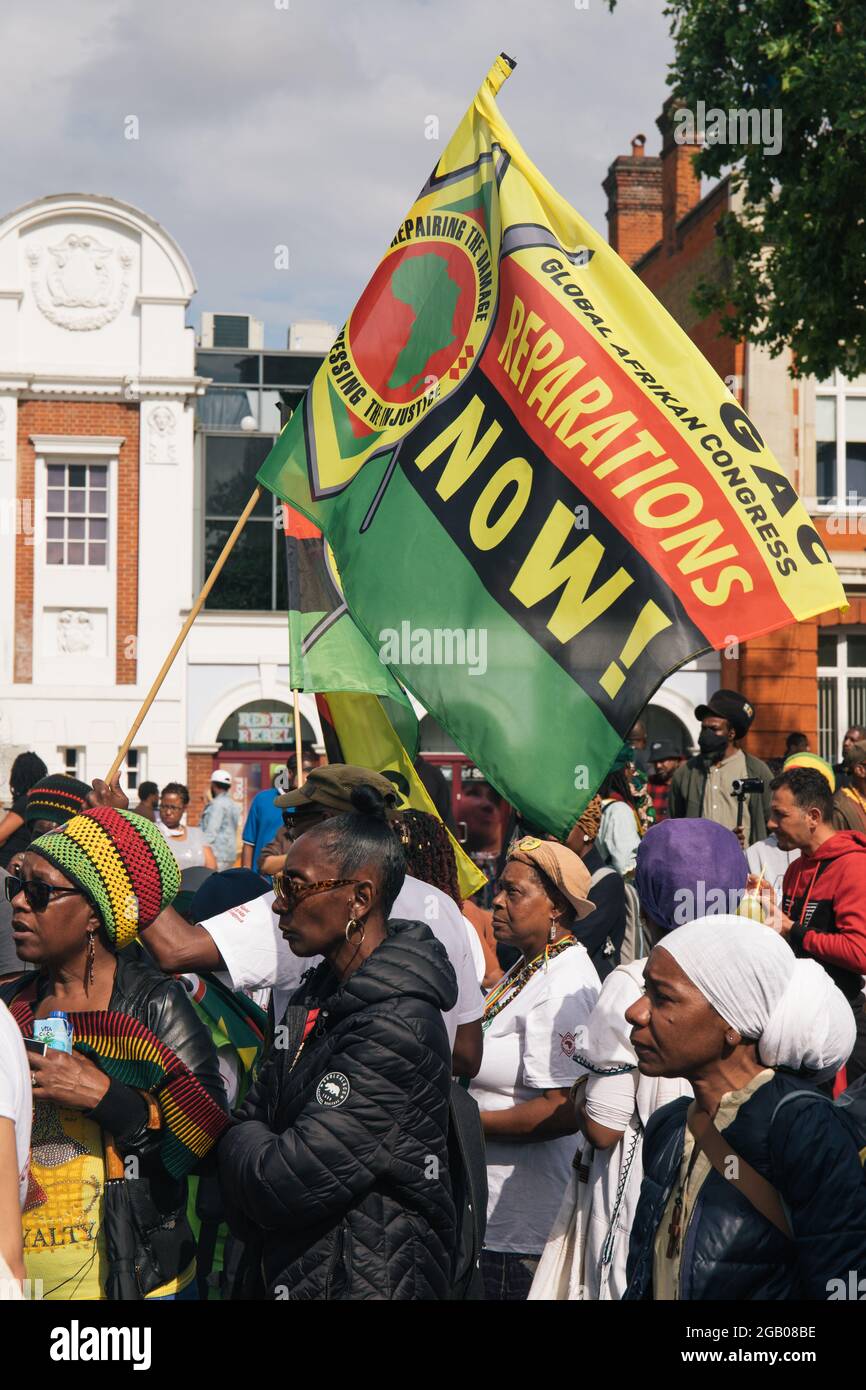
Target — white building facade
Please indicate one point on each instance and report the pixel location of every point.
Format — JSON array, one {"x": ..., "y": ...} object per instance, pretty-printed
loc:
[{"x": 100, "y": 474}]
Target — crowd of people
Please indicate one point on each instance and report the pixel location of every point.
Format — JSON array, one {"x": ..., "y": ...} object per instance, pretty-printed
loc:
[{"x": 287, "y": 1060}]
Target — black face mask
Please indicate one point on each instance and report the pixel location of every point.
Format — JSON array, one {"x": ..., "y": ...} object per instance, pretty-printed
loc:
[{"x": 711, "y": 744}]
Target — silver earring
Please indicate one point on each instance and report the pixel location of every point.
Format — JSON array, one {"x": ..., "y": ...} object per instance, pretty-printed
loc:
[{"x": 552, "y": 935}]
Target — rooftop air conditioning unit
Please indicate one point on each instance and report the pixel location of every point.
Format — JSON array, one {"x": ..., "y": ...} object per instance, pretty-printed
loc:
[
  {"x": 312, "y": 336},
  {"x": 231, "y": 331}
]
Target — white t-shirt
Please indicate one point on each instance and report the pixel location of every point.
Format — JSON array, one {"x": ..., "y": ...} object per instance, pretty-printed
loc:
[
  {"x": 257, "y": 955},
  {"x": 418, "y": 901},
  {"x": 764, "y": 856},
  {"x": 477, "y": 953},
  {"x": 16, "y": 1097},
  {"x": 189, "y": 852},
  {"x": 528, "y": 1048}
]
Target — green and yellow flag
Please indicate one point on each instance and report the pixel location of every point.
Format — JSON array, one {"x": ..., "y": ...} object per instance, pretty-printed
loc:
[
  {"x": 541, "y": 497},
  {"x": 331, "y": 658},
  {"x": 326, "y": 650},
  {"x": 364, "y": 735}
]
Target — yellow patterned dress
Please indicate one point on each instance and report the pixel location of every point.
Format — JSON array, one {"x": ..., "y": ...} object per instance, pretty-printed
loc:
[
  {"x": 64, "y": 1240},
  {"x": 64, "y": 1245}
]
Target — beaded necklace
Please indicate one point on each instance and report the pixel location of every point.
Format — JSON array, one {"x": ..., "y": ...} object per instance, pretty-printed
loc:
[{"x": 510, "y": 986}]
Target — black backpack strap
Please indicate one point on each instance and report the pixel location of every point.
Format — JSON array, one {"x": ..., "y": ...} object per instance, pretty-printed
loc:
[
  {"x": 798, "y": 1095},
  {"x": 467, "y": 1161}
]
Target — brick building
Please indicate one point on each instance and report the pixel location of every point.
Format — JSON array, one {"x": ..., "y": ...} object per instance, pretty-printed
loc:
[
  {"x": 809, "y": 676},
  {"x": 123, "y": 452}
]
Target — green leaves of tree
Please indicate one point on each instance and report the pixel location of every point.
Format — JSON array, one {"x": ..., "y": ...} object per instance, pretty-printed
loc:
[{"x": 794, "y": 247}]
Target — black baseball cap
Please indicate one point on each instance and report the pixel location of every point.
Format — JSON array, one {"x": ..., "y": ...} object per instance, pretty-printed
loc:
[
  {"x": 664, "y": 748},
  {"x": 730, "y": 705}
]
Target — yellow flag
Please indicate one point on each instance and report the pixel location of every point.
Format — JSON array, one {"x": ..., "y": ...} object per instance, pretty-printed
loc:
[{"x": 367, "y": 739}]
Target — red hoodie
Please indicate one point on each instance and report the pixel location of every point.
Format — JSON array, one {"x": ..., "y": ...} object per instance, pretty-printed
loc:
[{"x": 825, "y": 894}]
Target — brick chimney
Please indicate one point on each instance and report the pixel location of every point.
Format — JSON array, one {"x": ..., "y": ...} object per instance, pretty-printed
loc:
[
  {"x": 634, "y": 202},
  {"x": 681, "y": 186}
]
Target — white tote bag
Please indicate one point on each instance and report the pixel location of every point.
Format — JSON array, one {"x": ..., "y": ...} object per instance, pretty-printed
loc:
[{"x": 560, "y": 1273}]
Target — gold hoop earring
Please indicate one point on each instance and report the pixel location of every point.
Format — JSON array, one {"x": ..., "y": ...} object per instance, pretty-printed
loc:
[
  {"x": 91, "y": 953},
  {"x": 351, "y": 926}
]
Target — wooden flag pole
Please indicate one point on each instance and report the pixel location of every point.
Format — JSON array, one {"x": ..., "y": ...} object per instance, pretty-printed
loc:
[
  {"x": 181, "y": 636},
  {"x": 299, "y": 758}
]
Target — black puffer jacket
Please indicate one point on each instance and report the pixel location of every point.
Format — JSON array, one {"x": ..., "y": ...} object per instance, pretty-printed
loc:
[
  {"x": 338, "y": 1163},
  {"x": 809, "y": 1154},
  {"x": 162, "y": 1238}
]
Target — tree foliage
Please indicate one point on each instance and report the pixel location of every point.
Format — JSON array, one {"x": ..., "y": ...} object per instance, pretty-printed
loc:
[{"x": 795, "y": 248}]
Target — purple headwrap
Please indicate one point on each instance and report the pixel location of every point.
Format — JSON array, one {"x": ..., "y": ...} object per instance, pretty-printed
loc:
[{"x": 688, "y": 869}]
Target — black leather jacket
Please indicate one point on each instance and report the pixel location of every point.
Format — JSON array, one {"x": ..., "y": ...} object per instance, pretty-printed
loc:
[
  {"x": 809, "y": 1153},
  {"x": 338, "y": 1167},
  {"x": 163, "y": 1241}
]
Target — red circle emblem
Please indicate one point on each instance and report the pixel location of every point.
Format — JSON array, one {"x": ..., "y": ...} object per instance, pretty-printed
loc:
[{"x": 412, "y": 321}]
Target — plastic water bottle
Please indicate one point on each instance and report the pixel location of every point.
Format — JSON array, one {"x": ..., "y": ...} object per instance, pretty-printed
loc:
[{"x": 55, "y": 1030}]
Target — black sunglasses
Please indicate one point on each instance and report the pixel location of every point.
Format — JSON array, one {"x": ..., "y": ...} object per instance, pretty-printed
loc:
[
  {"x": 299, "y": 823},
  {"x": 37, "y": 894}
]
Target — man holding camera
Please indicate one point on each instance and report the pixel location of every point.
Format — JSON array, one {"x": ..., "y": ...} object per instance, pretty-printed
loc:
[{"x": 722, "y": 783}]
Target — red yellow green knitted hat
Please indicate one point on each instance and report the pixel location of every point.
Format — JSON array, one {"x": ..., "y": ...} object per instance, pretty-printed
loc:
[
  {"x": 811, "y": 760},
  {"x": 57, "y": 798},
  {"x": 120, "y": 861}
]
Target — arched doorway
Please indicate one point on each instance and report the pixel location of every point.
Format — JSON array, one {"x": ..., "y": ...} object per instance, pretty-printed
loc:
[
  {"x": 661, "y": 725},
  {"x": 257, "y": 741}
]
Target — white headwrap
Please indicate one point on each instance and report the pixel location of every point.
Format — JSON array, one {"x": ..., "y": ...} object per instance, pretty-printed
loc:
[{"x": 752, "y": 978}]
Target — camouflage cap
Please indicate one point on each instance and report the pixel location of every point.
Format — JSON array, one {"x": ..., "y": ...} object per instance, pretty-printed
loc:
[{"x": 330, "y": 788}]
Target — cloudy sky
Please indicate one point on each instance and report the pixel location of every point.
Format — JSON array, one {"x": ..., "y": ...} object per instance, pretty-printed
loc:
[{"x": 302, "y": 122}]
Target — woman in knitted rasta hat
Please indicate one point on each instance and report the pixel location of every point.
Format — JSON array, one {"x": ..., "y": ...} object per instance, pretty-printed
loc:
[
  {"x": 142, "y": 1080},
  {"x": 52, "y": 801},
  {"x": 120, "y": 862}
]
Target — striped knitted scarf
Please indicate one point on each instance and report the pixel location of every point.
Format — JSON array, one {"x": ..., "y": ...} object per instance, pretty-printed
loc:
[{"x": 130, "y": 1053}]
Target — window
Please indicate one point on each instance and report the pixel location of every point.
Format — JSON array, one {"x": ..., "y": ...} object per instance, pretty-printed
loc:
[
  {"x": 236, "y": 400},
  {"x": 255, "y": 576},
  {"x": 287, "y": 369},
  {"x": 229, "y": 366},
  {"x": 73, "y": 762},
  {"x": 77, "y": 514},
  {"x": 134, "y": 770},
  {"x": 246, "y": 408},
  {"x": 840, "y": 442},
  {"x": 841, "y": 687},
  {"x": 239, "y": 417}
]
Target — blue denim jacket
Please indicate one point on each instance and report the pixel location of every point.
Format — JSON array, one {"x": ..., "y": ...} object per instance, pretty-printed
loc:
[{"x": 219, "y": 823}]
